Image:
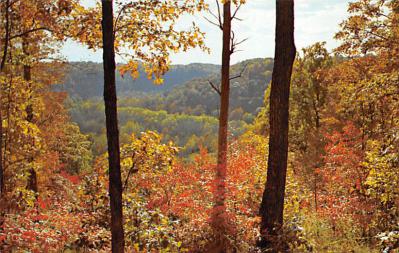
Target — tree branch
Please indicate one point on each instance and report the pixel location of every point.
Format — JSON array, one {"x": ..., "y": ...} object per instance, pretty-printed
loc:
[
  {"x": 218, "y": 18},
  {"x": 30, "y": 31},
  {"x": 235, "y": 43},
  {"x": 213, "y": 23},
  {"x": 240, "y": 74},
  {"x": 235, "y": 12},
  {"x": 215, "y": 88},
  {"x": 219, "y": 14},
  {"x": 132, "y": 170},
  {"x": 232, "y": 45},
  {"x": 122, "y": 9}
]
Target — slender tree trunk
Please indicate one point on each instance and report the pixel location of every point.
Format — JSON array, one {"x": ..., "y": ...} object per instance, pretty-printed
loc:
[
  {"x": 2, "y": 68},
  {"x": 315, "y": 191},
  {"x": 272, "y": 205},
  {"x": 316, "y": 106},
  {"x": 219, "y": 222},
  {"x": 111, "y": 117},
  {"x": 32, "y": 179},
  {"x": 2, "y": 181},
  {"x": 7, "y": 35}
]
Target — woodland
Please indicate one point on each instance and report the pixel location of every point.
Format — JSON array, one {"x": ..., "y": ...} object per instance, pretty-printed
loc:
[{"x": 296, "y": 153}]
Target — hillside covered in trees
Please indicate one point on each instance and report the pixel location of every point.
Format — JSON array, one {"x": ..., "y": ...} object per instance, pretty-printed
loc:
[
  {"x": 189, "y": 132},
  {"x": 84, "y": 80},
  {"x": 295, "y": 153},
  {"x": 184, "y": 89},
  {"x": 178, "y": 112}
]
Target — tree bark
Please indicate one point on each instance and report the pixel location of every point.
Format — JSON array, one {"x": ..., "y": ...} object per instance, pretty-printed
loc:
[
  {"x": 2, "y": 70},
  {"x": 32, "y": 179},
  {"x": 219, "y": 222},
  {"x": 111, "y": 117},
  {"x": 7, "y": 36},
  {"x": 2, "y": 181},
  {"x": 272, "y": 205}
]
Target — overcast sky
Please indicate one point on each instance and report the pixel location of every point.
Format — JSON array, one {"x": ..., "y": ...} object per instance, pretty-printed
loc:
[{"x": 315, "y": 20}]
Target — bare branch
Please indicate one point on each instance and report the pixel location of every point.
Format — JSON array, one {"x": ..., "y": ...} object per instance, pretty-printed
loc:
[
  {"x": 235, "y": 12},
  {"x": 235, "y": 43},
  {"x": 215, "y": 88},
  {"x": 240, "y": 74},
  {"x": 240, "y": 42},
  {"x": 232, "y": 44},
  {"x": 218, "y": 17},
  {"x": 239, "y": 19},
  {"x": 213, "y": 23},
  {"x": 214, "y": 15},
  {"x": 219, "y": 14}
]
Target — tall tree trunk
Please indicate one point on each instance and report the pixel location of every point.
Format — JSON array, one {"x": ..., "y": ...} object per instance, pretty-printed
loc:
[
  {"x": 219, "y": 221},
  {"x": 111, "y": 118},
  {"x": 2, "y": 70},
  {"x": 32, "y": 179},
  {"x": 2, "y": 181},
  {"x": 272, "y": 205}
]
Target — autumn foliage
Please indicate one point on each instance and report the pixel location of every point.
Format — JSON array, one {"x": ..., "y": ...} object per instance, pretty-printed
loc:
[{"x": 341, "y": 192}]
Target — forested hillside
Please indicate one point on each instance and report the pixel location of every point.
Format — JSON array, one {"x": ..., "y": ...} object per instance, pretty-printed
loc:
[
  {"x": 197, "y": 97},
  {"x": 184, "y": 90},
  {"x": 171, "y": 108},
  {"x": 188, "y": 132},
  {"x": 84, "y": 80}
]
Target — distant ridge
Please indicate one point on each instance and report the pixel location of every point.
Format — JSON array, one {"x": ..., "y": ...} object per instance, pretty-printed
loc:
[{"x": 84, "y": 80}]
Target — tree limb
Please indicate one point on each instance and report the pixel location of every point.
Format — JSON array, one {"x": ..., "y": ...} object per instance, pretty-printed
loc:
[
  {"x": 235, "y": 12},
  {"x": 215, "y": 88},
  {"x": 132, "y": 170},
  {"x": 30, "y": 31},
  {"x": 240, "y": 74},
  {"x": 218, "y": 17},
  {"x": 213, "y": 23}
]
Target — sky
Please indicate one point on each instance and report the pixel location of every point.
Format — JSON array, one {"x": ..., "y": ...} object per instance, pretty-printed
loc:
[{"x": 315, "y": 21}]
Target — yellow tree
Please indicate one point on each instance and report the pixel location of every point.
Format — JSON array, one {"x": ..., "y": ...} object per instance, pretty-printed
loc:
[
  {"x": 31, "y": 32},
  {"x": 370, "y": 94},
  {"x": 373, "y": 27},
  {"x": 143, "y": 32}
]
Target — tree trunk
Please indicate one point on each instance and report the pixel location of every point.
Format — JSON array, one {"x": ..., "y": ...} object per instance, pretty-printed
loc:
[
  {"x": 111, "y": 117},
  {"x": 2, "y": 181},
  {"x": 2, "y": 68},
  {"x": 272, "y": 205},
  {"x": 7, "y": 36},
  {"x": 32, "y": 179},
  {"x": 218, "y": 219}
]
